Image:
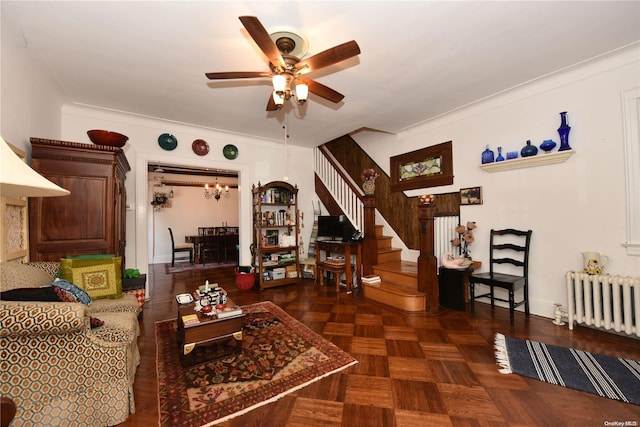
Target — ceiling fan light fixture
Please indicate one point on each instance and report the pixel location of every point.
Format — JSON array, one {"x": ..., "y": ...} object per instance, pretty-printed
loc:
[
  {"x": 302, "y": 92},
  {"x": 279, "y": 83},
  {"x": 278, "y": 99}
]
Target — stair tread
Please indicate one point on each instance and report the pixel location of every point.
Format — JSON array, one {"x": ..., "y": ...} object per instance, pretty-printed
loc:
[
  {"x": 398, "y": 290},
  {"x": 385, "y": 250},
  {"x": 403, "y": 267}
]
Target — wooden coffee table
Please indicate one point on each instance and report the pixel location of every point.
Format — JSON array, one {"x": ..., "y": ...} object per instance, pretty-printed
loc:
[{"x": 209, "y": 330}]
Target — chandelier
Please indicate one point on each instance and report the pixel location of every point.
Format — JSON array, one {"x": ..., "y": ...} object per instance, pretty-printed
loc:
[{"x": 217, "y": 191}]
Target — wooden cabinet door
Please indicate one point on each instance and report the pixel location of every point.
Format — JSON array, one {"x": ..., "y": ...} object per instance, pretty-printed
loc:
[{"x": 91, "y": 220}]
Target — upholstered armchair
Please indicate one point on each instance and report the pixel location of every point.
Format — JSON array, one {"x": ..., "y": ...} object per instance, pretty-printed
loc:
[{"x": 54, "y": 365}]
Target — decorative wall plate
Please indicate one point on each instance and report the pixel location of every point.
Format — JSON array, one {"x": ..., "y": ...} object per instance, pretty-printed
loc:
[
  {"x": 230, "y": 151},
  {"x": 200, "y": 147},
  {"x": 167, "y": 141}
]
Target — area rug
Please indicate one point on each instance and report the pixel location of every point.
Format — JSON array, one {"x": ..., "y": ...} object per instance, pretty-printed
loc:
[
  {"x": 187, "y": 266},
  {"x": 279, "y": 355},
  {"x": 606, "y": 376}
]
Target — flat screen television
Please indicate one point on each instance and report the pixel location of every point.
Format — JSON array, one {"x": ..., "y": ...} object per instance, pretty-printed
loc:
[{"x": 334, "y": 227}]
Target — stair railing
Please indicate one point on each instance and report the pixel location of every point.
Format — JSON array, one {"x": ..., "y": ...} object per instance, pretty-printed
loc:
[{"x": 341, "y": 186}]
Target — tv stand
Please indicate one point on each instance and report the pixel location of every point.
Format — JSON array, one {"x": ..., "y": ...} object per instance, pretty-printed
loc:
[{"x": 326, "y": 248}]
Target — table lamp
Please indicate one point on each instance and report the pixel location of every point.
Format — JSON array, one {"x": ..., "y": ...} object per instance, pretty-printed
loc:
[{"x": 17, "y": 179}]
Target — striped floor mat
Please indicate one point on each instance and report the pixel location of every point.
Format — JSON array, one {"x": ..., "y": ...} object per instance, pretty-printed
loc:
[{"x": 606, "y": 376}]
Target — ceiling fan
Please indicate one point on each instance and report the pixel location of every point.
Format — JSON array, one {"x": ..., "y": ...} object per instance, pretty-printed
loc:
[{"x": 287, "y": 69}]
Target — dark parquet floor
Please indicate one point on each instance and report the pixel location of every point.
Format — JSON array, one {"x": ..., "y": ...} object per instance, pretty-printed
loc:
[{"x": 414, "y": 369}]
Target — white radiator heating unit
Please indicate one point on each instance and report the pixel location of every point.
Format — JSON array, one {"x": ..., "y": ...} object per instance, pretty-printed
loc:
[
  {"x": 444, "y": 231},
  {"x": 611, "y": 303}
]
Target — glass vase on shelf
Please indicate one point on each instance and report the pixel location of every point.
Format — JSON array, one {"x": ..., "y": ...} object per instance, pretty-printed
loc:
[{"x": 563, "y": 131}]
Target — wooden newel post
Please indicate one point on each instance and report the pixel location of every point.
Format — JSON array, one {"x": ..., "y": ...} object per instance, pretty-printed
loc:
[
  {"x": 427, "y": 261},
  {"x": 370, "y": 243}
]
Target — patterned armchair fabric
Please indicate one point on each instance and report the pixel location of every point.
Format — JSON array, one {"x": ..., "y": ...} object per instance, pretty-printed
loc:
[{"x": 58, "y": 370}]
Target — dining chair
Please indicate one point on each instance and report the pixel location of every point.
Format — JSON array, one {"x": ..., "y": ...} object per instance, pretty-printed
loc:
[
  {"x": 179, "y": 249},
  {"x": 210, "y": 248},
  {"x": 510, "y": 247}
]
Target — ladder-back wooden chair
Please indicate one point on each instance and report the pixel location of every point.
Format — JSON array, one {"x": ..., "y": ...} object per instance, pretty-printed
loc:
[
  {"x": 179, "y": 249},
  {"x": 510, "y": 247}
]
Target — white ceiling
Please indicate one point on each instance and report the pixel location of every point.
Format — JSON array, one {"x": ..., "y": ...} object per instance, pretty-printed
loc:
[{"x": 419, "y": 59}]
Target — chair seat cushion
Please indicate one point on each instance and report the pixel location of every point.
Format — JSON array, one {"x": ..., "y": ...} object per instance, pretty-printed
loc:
[
  {"x": 498, "y": 279},
  {"x": 126, "y": 303}
]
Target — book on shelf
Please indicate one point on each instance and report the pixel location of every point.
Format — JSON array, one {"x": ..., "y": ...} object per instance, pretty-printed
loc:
[
  {"x": 228, "y": 312},
  {"x": 190, "y": 319}
]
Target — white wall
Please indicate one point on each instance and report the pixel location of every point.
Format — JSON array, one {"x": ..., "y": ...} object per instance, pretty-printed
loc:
[
  {"x": 29, "y": 106},
  {"x": 258, "y": 160},
  {"x": 576, "y": 206}
]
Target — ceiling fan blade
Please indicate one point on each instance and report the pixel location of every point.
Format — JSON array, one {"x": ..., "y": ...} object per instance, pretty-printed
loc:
[
  {"x": 262, "y": 38},
  {"x": 321, "y": 90},
  {"x": 238, "y": 75},
  {"x": 328, "y": 57},
  {"x": 271, "y": 104}
]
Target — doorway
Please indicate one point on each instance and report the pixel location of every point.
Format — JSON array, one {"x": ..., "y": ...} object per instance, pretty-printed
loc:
[{"x": 140, "y": 227}]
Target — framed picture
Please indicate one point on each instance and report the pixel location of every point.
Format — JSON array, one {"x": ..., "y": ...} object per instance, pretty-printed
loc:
[
  {"x": 427, "y": 167},
  {"x": 471, "y": 196}
]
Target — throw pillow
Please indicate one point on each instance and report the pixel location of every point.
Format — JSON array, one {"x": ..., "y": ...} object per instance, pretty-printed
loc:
[
  {"x": 17, "y": 275},
  {"x": 45, "y": 293},
  {"x": 92, "y": 256},
  {"x": 76, "y": 292},
  {"x": 100, "y": 278}
]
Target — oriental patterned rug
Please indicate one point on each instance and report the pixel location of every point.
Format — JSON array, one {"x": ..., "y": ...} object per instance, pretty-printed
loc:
[
  {"x": 606, "y": 376},
  {"x": 279, "y": 355}
]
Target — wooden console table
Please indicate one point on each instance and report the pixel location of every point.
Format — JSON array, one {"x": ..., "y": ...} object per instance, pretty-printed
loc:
[{"x": 327, "y": 248}]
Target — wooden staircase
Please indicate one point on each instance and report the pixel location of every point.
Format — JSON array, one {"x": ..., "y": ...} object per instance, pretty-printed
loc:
[{"x": 399, "y": 287}]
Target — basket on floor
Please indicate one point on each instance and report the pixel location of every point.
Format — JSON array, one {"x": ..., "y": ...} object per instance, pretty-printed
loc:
[{"x": 246, "y": 278}]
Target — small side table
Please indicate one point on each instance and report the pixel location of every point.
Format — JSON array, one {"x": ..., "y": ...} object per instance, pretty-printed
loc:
[
  {"x": 452, "y": 286},
  {"x": 347, "y": 249}
]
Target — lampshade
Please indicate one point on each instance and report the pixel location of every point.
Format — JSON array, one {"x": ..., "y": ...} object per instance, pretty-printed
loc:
[
  {"x": 302, "y": 92},
  {"x": 17, "y": 179},
  {"x": 278, "y": 99},
  {"x": 279, "y": 83}
]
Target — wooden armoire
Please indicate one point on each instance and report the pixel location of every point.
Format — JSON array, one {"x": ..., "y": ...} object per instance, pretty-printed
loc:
[{"x": 91, "y": 220}]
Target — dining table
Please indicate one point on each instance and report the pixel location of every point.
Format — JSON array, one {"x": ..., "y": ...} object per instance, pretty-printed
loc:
[{"x": 226, "y": 241}]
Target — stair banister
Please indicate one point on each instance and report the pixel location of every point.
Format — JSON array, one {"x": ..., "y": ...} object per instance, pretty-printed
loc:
[{"x": 341, "y": 186}]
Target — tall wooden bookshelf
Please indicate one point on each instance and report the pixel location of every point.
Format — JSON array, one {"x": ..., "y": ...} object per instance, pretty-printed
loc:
[{"x": 276, "y": 251}]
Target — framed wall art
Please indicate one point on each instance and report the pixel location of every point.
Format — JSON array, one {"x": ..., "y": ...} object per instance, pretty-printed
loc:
[
  {"x": 427, "y": 167},
  {"x": 471, "y": 196}
]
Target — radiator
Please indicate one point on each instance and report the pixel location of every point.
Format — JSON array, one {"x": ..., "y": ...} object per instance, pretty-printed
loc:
[
  {"x": 603, "y": 301},
  {"x": 444, "y": 232}
]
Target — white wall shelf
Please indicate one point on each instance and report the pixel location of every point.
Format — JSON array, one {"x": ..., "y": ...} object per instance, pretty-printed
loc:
[{"x": 529, "y": 162}]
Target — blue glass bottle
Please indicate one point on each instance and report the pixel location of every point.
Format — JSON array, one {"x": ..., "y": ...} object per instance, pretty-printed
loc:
[
  {"x": 529, "y": 150},
  {"x": 563, "y": 131},
  {"x": 500, "y": 158},
  {"x": 487, "y": 156}
]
